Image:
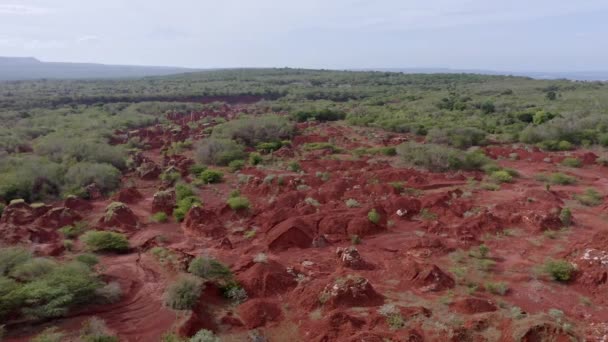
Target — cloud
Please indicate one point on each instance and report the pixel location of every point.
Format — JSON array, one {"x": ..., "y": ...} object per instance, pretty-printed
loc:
[
  {"x": 88, "y": 39},
  {"x": 18, "y": 9}
]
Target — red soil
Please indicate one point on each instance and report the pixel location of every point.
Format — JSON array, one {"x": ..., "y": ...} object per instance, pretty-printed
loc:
[{"x": 406, "y": 259}]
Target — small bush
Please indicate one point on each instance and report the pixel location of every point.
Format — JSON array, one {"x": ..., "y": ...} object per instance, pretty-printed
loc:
[
  {"x": 352, "y": 203},
  {"x": 294, "y": 166},
  {"x": 33, "y": 269},
  {"x": 590, "y": 198},
  {"x": 49, "y": 335},
  {"x": 197, "y": 169},
  {"x": 572, "y": 162},
  {"x": 183, "y": 293},
  {"x": 559, "y": 270},
  {"x": 566, "y": 217},
  {"x": 251, "y": 131},
  {"x": 183, "y": 206},
  {"x": 11, "y": 257},
  {"x": 209, "y": 268},
  {"x": 561, "y": 179},
  {"x": 501, "y": 176},
  {"x": 205, "y": 336},
  {"x": 440, "y": 158},
  {"x": 238, "y": 203},
  {"x": 498, "y": 288},
  {"x": 105, "y": 241},
  {"x": 236, "y": 165},
  {"x": 88, "y": 259},
  {"x": 255, "y": 158},
  {"x": 220, "y": 152},
  {"x": 75, "y": 230},
  {"x": 320, "y": 146},
  {"x": 211, "y": 176},
  {"x": 160, "y": 217},
  {"x": 182, "y": 191},
  {"x": 373, "y": 216},
  {"x": 95, "y": 330}
]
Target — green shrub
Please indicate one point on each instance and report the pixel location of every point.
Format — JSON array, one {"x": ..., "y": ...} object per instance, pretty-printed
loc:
[
  {"x": 197, "y": 169},
  {"x": 2, "y": 206},
  {"x": 160, "y": 217},
  {"x": 75, "y": 230},
  {"x": 95, "y": 330},
  {"x": 501, "y": 176},
  {"x": 182, "y": 191},
  {"x": 184, "y": 293},
  {"x": 294, "y": 166},
  {"x": 238, "y": 203},
  {"x": 209, "y": 268},
  {"x": 98, "y": 241},
  {"x": 320, "y": 146},
  {"x": 57, "y": 291},
  {"x": 440, "y": 158},
  {"x": 11, "y": 257},
  {"x": 560, "y": 270},
  {"x": 236, "y": 165},
  {"x": 183, "y": 206},
  {"x": 565, "y": 216},
  {"x": 251, "y": 131},
  {"x": 498, "y": 288},
  {"x": 255, "y": 158},
  {"x": 219, "y": 151},
  {"x": 325, "y": 114},
  {"x": 33, "y": 269},
  {"x": 459, "y": 137},
  {"x": 106, "y": 176},
  {"x": 373, "y": 216},
  {"x": 572, "y": 162},
  {"x": 267, "y": 147},
  {"x": 87, "y": 259},
  {"x": 211, "y": 176},
  {"x": 590, "y": 198},
  {"x": 561, "y": 179},
  {"x": 49, "y": 335}
]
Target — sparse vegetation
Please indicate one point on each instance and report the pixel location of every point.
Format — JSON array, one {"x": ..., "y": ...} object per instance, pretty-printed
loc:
[
  {"x": 102, "y": 241},
  {"x": 590, "y": 198},
  {"x": 238, "y": 203},
  {"x": 183, "y": 293},
  {"x": 373, "y": 216},
  {"x": 559, "y": 270}
]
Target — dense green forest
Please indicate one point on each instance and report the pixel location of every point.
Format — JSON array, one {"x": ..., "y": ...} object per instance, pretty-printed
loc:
[{"x": 54, "y": 134}]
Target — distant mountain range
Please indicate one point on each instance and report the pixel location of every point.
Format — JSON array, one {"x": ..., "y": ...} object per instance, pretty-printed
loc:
[
  {"x": 574, "y": 75},
  {"x": 29, "y": 68}
]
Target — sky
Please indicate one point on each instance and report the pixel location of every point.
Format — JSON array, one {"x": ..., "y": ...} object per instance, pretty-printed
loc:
[{"x": 508, "y": 35}]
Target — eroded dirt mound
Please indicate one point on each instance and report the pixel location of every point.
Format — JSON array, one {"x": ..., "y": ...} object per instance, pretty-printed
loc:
[
  {"x": 266, "y": 279},
  {"x": 350, "y": 291},
  {"x": 426, "y": 277},
  {"x": 128, "y": 195},
  {"x": 258, "y": 312},
  {"x": 58, "y": 217},
  {"x": 119, "y": 215},
  {"x": 473, "y": 305}
]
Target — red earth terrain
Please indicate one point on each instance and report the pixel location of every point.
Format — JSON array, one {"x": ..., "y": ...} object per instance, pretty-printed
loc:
[{"x": 315, "y": 266}]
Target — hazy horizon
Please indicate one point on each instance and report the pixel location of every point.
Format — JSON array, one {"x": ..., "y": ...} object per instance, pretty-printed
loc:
[{"x": 539, "y": 36}]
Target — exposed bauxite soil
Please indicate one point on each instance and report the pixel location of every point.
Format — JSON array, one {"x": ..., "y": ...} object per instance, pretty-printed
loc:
[{"x": 418, "y": 262}]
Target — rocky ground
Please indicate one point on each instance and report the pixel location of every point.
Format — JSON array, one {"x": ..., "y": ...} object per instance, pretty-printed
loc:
[{"x": 317, "y": 267}]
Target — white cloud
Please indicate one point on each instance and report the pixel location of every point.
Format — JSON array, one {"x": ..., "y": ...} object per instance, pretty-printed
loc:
[{"x": 19, "y": 9}]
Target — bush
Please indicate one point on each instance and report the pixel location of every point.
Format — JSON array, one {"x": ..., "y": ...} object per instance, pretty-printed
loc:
[
  {"x": 183, "y": 293},
  {"x": 238, "y": 203},
  {"x": 95, "y": 330},
  {"x": 33, "y": 269},
  {"x": 590, "y": 198},
  {"x": 75, "y": 230},
  {"x": 236, "y": 165},
  {"x": 105, "y": 241},
  {"x": 205, "y": 336},
  {"x": 221, "y": 152},
  {"x": 320, "y": 146},
  {"x": 440, "y": 158},
  {"x": 565, "y": 216},
  {"x": 501, "y": 176},
  {"x": 49, "y": 335},
  {"x": 106, "y": 176},
  {"x": 294, "y": 166},
  {"x": 572, "y": 162},
  {"x": 498, "y": 288},
  {"x": 325, "y": 114},
  {"x": 209, "y": 268},
  {"x": 255, "y": 158},
  {"x": 459, "y": 137},
  {"x": 2, "y": 206},
  {"x": 352, "y": 203},
  {"x": 87, "y": 259},
  {"x": 561, "y": 179},
  {"x": 560, "y": 270},
  {"x": 11, "y": 257},
  {"x": 183, "y": 206},
  {"x": 54, "y": 293},
  {"x": 160, "y": 217},
  {"x": 251, "y": 131},
  {"x": 182, "y": 191},
  {"x": 211, "y": 176},
  {"x": 373, "y": 216}
]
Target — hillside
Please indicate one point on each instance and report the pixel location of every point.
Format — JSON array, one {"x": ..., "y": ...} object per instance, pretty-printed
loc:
[{"x": 28, "y": 68}]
